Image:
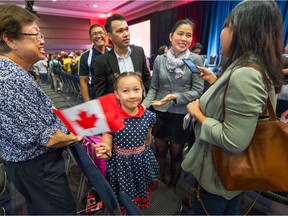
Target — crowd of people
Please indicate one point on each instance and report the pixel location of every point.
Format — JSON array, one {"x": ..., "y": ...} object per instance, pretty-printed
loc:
[{"x": 33, "y": 138}]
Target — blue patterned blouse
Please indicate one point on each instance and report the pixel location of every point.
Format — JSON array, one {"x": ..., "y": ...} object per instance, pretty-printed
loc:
[{"x": 26, "y": 121}]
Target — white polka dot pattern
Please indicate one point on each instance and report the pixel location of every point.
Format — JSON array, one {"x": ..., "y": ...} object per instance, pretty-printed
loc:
[{"x": 136, "y": 174}]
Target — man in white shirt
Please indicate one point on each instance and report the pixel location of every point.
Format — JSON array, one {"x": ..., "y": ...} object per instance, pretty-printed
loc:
[{"x": 122, "y": 58}]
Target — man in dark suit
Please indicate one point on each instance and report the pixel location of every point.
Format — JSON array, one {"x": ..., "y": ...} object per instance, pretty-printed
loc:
[{"x": 122, "y": 58}]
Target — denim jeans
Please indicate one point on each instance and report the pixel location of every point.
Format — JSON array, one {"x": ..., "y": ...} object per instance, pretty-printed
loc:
[
  {"x": 44, "y": 78},
  {"x": 217, "y": 205}
]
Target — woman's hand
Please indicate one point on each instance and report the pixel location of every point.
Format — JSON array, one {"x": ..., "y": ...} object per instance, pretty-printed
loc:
[
  {"x": 207, "y": 75},
  {"x": 60, "y": 140},
  {"x": 195, "y": 110},
  {"x": 285, "y": 71},
  {"x": 164, "y": 100},
  {"x": 102, "y": 150}
]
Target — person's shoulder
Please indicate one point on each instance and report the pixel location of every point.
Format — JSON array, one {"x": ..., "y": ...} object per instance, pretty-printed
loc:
[
  {"x": 150, "y": 116},
  {"x": 84, "y": 57},
  {"x": 85, "y": 54},
  {"x": 160, "y": 58},
  {"x": 8, "y": 68},
  {"x": 248, "y": 71},
  {"x": 246, "y": 76},
  {"x": 194, "y": 56},
  {"x": 136, "y": 48},
  {"x": 149, "y": 113},
  {"x": 196, "y": 59}
]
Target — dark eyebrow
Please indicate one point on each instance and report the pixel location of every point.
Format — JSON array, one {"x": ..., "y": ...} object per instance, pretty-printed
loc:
[
  {"x": 185, "y": 32},
  {"x": 122, "y": 29}
]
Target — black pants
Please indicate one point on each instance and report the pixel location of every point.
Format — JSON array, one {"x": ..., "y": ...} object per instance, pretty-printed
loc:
[{"x": 43, "y": 183}]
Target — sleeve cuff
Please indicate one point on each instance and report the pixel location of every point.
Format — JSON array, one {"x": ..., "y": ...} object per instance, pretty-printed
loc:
[{"x": 206, "y": 129}]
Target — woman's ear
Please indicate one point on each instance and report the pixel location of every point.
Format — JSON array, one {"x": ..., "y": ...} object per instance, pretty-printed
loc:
[
  {"x": 170, "y": 37},
  {"x": 9, "y": 41}
]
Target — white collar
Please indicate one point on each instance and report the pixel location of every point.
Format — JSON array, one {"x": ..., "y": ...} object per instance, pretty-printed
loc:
[{"x": 126, "y": 55}]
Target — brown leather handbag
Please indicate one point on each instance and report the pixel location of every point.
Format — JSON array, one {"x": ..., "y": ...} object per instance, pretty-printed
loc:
[{"x": 263, "y": 166}]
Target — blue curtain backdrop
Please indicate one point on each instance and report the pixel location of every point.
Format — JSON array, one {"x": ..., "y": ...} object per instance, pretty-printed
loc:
[
  {"x": 283, "y": 6},
  {"x": 219, "y": 11},
  {"x": 217, "y": 16}
]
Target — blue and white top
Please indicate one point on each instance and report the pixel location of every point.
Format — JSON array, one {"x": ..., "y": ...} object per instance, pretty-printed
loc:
[{"x": 27, "y": 122}]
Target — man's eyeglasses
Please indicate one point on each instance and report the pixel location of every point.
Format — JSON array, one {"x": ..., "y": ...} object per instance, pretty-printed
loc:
[
  {"x": 39, "y": 36},
  {"x": 97, "y": 33}
]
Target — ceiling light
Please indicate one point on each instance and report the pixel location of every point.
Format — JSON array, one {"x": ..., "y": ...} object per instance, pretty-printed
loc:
[
  {"x": 95, "y": 5},
  {"x": 108, "y": 14}
]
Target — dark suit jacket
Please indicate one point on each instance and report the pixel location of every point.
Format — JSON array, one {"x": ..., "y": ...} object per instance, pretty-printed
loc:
[{"x": 106, "y": 67}]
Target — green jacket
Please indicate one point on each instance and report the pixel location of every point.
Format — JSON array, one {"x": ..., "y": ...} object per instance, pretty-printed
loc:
[{"x": 245, "y": 99}]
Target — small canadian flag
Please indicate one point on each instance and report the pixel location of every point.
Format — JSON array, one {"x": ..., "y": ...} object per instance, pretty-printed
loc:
[
  {"x": 93, "y": 117},
  {"x": 284, "y": 117}
]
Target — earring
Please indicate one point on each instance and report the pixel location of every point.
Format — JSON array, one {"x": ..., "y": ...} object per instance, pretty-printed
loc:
[{"x": 14, "y": 47}]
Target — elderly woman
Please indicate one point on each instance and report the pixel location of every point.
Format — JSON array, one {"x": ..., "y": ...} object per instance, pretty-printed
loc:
[
  {"x": 173, "y": 86},
  {"x": 31, "y": 136}
]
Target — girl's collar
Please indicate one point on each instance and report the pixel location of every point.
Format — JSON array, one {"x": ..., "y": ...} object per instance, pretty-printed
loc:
[{"x": 126, "y": 116}]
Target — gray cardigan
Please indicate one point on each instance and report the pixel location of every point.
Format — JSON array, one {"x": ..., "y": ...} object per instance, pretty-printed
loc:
[
  {"x": 187, "y": 88},
  {"x": 245, "y": 99}
]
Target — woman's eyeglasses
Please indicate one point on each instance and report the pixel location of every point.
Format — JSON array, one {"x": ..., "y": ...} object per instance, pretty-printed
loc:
[{"x": 39, "y": 36}]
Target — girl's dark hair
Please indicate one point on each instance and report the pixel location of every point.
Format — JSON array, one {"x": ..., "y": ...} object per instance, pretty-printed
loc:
[
  {"x": 186, "y": 21},
  {"x": 257, "y": 33},
  {"x": 12, "y": 18},
  {"x": 118, "y": 77}
]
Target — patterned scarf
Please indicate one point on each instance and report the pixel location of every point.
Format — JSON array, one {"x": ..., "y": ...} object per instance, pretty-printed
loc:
[{"x": 173, "y": 64}]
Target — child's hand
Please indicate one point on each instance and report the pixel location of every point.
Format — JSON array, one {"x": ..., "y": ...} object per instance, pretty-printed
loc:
[{"x": 102, "y": 150}]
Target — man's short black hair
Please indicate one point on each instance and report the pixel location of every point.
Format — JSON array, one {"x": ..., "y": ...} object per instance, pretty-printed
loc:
[{"x": 112, "y": 18}]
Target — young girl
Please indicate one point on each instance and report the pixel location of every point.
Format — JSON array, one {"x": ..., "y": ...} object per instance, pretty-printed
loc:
[{"x": 133, "y": 167}]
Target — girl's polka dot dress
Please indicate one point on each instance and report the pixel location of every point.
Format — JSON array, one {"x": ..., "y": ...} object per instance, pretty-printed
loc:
[{"x": 133, "y": 167}]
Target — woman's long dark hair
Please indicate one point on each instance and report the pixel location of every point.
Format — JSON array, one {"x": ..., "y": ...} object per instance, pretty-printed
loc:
[{"x": 257, "y": 31}]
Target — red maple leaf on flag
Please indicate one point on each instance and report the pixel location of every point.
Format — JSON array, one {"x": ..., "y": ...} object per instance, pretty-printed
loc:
[{"x": 85, "y": 120}]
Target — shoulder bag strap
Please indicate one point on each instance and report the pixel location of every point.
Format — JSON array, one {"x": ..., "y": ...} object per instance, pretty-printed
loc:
[{"x": 270, "y": 111}]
